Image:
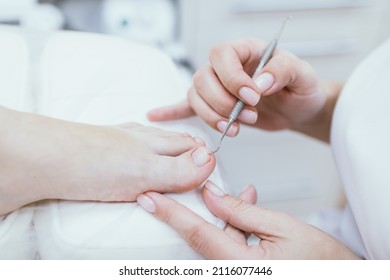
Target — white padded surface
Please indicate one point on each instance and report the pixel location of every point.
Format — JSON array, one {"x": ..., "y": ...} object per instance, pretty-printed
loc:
[
  {"x": 16, "y": 236},
  {"x": 92, "y": 79},
  {"x": 360, "y": 141},
  {"x": 15, "y": 229},
  {"x": 14, "y": 67}
]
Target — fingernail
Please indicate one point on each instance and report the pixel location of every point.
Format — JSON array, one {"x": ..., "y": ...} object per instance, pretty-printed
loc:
[
  {"x": 249, "y": 96},
  {"x": 214, "y": 188},
  {"x": 221, "y": 126},
  {"x": 248, "y": 116},
  {"x": 264, "y": 81},
  {"x": 146, "y": 203},
  {"x": 201, "y": 156}
]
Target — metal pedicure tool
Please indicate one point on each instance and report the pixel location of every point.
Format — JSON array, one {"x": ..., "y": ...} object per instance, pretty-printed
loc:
[{"x": 265, "y": 58}]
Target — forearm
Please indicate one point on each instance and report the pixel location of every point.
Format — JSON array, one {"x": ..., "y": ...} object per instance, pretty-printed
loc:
[{"x": 319, "y": 126}]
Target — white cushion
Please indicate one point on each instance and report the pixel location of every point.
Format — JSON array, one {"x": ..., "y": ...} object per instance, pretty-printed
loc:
[
  {"x": 17, "y": 236},
  {"x": 14, "y": 69}
]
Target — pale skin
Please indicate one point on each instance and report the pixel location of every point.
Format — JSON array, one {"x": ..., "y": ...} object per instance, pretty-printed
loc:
[
  {"x": 281, "y": 236},
  {"x": 292, "y": 97},
  {"x": 45, "y": 158}
]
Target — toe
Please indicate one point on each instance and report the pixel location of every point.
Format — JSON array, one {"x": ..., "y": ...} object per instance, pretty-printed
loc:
[{"x": 185, "y": 171}]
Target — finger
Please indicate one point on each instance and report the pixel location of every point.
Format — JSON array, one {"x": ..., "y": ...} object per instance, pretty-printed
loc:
[
  {"x": 286, "y": 70},
  {"x": 212, "y": 118},
  {"x": 246, "y": 217},
  {"x": 248, "y": 195},
  {"x": 210, "y": 90},
  {"x": 177, "y": 111},
  {"x": 183, "y": 172},
  {"x": 208, "y": 86},
  {"x": 234, "y": 64},
  {"x": 205, "y": 238}
]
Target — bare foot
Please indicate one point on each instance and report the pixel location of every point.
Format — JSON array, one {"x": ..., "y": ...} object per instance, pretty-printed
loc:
[{"x": 42, "y": 158}]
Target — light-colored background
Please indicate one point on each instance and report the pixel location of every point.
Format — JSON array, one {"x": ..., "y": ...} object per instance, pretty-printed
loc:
[{"x": 292, "y": 173}]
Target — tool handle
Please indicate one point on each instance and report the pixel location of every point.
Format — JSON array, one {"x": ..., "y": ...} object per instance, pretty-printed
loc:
[
  {"x": 236, "y": 110},
  {"x": 265, "y": 58}
]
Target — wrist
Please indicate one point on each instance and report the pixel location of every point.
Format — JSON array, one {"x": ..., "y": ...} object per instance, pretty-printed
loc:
[
  {"x": 319, "y": 125},
  {"x": 336, "y": 250}
]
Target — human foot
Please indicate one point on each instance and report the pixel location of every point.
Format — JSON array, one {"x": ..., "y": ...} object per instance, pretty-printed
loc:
[{"x": 45, "y": 158}]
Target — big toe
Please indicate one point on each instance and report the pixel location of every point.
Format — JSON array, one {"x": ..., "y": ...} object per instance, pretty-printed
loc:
[{"x": 185, "y": 171}]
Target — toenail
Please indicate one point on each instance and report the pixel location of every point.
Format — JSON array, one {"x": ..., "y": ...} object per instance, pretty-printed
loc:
[{"x": 201, "y": 156}]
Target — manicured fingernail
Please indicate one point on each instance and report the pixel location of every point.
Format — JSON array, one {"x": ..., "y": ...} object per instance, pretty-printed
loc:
[
  {"x": 264, "y": 81},
  {"x": 221, "y": 126},
  {"x": 248, "y": 116},
  {"x": 201, "y": 156},
  {"x": 249, "y": 96},
  {"x": 146, "y": 203},
  {"x": 214, "y": 188}
]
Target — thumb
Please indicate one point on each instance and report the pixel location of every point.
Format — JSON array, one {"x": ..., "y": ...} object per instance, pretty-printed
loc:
[
  {"x": 247, "y": 217},
  {"x": 210, "y": 241},
  {"x": 176, "y": 111},
  {"x": 248, "y": 195}
]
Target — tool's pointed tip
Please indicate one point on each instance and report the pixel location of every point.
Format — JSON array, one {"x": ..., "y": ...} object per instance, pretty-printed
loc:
[
  {"x": 283, "y": 25},
  {"x": 214, "y": 151}
]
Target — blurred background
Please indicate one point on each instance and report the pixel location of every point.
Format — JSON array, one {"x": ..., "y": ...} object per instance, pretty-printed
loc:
[{"x": 292, "y": 173}]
